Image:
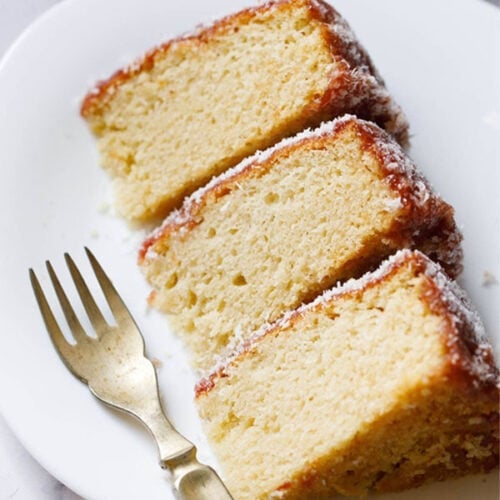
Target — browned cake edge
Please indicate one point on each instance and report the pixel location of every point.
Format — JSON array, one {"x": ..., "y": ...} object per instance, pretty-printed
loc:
[
  {"x": 469, "y": 364},
  {"x": 355, "y": 86},
  {"x": 426, "y": 221},
  {"x": 470, "y": 360}
]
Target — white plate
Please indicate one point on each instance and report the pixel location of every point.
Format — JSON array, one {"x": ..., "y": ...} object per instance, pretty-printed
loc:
[{"x": 437, "y": 60}]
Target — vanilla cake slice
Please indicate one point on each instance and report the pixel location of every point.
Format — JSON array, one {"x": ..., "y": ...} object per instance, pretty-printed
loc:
[
  {"x": 286, "y": 224},
  {"x": 380, "y": 385},
  {"x": 199, "y": 104}
]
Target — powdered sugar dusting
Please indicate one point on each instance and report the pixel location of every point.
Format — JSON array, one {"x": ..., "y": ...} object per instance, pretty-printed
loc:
[
  {"x": 340, "y": 28},
  {"x": 235, "y": 349},
  {"x": 416, "y": 191},
  {"x": 401, "y": 174},
  {"x": 463, "y": 315},
  {"x": 277, "y": 494},
  {"x": 182, "y": 216},
  {"x": 397, "y": 163},
  {"x": 381, "y": 103},
  {"x": 366, "y": 88},
  {"x": 393, "y": 204},
  {"x": 366, "y": 84}
]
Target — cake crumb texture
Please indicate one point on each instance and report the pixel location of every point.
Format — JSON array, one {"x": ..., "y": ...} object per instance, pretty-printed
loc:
[
  {"x": 286, "y": 224},
  {"x": 380, "y": 385},
  {"x": 199, "y": 104}
]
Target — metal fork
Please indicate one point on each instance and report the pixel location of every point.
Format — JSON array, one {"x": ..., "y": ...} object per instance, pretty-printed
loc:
[{"x": 114, "y": 366}]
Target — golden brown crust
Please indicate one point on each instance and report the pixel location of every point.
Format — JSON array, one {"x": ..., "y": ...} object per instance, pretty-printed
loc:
[
  {"x": 350, "y": 50},
  {"x": 203, "y": 35},
  {"x": 354, "y": 87},
  {"x": 188, "y": 216},
  {"x": 425, "y": 221},
  {"x": 105, "y": 88},
  {"x": 428, "y": 225},
  {"x": 192, "y": 208},
  {"x": 371, "y": 103},
  {"x": 206, "y": 384},
  {"x": 471, "y": 363},
  {"x": 448, "y": 414},
  {"x": 470, "y": 359}
]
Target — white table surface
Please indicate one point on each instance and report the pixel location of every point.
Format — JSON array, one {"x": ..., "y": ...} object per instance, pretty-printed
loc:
[{"x": 21, "y": 477}]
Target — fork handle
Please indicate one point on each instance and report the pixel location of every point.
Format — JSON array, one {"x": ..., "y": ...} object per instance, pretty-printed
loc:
[{"x": 195, "y": 481}]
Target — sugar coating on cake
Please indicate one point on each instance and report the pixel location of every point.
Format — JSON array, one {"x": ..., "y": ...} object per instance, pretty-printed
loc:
[
  {"x": 462, "y": 315},
  {"x": 378, "y": 385},
  {"x": 199, "y": 104},
  {"x": 286, "y": 224}
]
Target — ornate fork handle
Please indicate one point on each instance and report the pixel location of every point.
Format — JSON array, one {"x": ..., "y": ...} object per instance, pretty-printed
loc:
[
  {"x": 195, "y": 481},
  {"x": 139, "y": 397},
  {"x": 114, "y": 366},
  {"x": 191, "y": 479}
]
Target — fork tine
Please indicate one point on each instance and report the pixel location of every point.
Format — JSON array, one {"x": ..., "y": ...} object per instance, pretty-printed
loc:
[
  {"x": 61, "y": 344},
  {"x": 93, "y": 312},
  {"x": 69, "y": 313},
  {"x": 118, "y": 308}
]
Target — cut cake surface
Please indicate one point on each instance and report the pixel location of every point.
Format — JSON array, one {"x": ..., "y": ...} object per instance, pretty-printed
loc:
[
  {"x": 286, "y": 224},
  {"x": 199, "y": 104},
  {"x": 379, "y": 385}
]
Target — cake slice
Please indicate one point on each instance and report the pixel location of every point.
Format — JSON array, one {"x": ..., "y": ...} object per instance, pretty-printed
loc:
[
  {"x": 286, "y": 224},
  {"x": 199, "y": 104},
  {"x": 379, "y": 385}
]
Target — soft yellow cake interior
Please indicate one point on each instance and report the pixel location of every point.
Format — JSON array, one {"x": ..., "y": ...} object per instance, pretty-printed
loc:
[
  {"x": 355, "y": 395},
  {"x": 207, "y": 104},
  {"x": 315, "y": 214}
]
